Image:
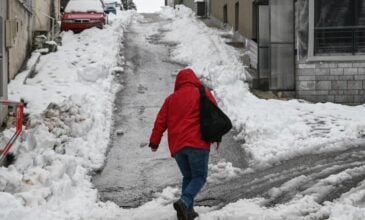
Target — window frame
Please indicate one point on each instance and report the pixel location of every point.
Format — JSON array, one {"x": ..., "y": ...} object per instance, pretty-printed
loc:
[{"x": 311, "y": 55}]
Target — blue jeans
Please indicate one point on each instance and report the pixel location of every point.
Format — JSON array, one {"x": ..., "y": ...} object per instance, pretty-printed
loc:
[{"x": 193, "y": 164}]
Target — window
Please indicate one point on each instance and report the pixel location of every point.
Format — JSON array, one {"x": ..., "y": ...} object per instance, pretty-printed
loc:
[{"x": 339, "y": 27}]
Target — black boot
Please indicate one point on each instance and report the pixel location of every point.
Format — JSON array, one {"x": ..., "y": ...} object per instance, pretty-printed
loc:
[
  {"x": 181, "y": 210},
  {"x": 193, "y": 215}
]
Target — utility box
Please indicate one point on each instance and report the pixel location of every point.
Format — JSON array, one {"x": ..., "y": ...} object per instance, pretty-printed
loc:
[{"x": 201, "y": 8}]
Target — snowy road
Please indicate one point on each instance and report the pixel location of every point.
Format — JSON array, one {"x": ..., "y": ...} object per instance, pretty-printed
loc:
[
  {"x": 304, "y": 175},
  {"x": 300, "y": 160},
  {"x": 133, "y": 173}
]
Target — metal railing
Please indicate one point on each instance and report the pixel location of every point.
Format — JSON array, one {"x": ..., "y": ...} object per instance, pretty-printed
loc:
[{"x": 339, "y": 40}]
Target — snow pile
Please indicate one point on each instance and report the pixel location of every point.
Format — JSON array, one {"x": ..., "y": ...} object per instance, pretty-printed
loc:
[
  {"x": 222, "y": 171},
  {"x": 274, "y": 130},
  {"x": 70, "y": 103}
]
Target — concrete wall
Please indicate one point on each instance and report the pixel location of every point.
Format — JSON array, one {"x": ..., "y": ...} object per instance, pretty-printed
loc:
[
  {"x": 19, "y": 52},
  {"x": 339, "y": 82}
]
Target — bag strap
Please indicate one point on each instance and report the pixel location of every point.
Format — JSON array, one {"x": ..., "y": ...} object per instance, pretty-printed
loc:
[{"x": 202, "y": 91}]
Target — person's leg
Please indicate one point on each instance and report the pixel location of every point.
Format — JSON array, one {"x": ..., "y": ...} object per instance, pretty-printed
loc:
[
  {"x": 198, "y": 161},
  {"x": 183, "y": 163}
]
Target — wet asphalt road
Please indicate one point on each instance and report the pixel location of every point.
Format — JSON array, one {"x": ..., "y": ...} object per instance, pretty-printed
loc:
[{"x": 133, "y": 174}]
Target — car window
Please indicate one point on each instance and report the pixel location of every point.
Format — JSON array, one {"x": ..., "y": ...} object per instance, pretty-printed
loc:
[{"x": 84, "y": 6}]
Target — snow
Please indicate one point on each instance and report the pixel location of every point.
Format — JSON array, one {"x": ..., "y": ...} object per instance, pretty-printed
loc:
[
  {"x": 148, "y": 6},
  {"x": 70, "y": 101},
  {"x": 273, "y": 130},
  {"x": 222, "y": 171},
  {"x": 84, "y": 6}
]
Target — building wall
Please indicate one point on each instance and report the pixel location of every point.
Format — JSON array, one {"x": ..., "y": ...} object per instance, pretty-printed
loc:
[
  {"x": 325, "y": 81},
  {"x": 339, "y": 82},
  {"x": 57, "y": 10},
  {"x": 189, "y": 3},
  {"x": 246, "y": 25},
  {"x": 172, "y": 3},
  {"x": 217, "y": 9},
  {"x": 20, "y": 50},
  {"x": 3, "y": 61},
  {"x": 42, "y": 9},
  {"x": 231, "y": 12}
]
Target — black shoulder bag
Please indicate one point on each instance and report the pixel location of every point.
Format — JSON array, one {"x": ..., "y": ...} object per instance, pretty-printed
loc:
[{"x": 213, "y": 122}]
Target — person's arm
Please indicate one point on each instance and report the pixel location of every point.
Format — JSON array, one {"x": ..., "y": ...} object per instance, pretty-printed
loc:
[{"x": 160, "y": 126}]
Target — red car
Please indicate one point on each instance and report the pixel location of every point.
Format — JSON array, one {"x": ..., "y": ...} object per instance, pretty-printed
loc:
[{"x": 82, "y": 14}]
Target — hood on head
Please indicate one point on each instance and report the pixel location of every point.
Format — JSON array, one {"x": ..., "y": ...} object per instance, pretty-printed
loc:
[{"x": 187, "y": 76}]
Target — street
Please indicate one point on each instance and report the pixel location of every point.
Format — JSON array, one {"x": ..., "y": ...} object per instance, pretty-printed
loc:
[
  {"x": 133, "y": 174},
  {"x": 84, "y": 152}
]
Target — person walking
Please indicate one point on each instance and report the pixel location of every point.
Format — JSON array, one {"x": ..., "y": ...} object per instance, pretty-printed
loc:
[{"x": 180, "y": 115}]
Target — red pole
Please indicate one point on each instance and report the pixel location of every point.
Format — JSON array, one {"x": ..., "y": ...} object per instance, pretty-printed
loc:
[
  {"x": 19, "y": 126},
  {"x": 19, "y": 117}
]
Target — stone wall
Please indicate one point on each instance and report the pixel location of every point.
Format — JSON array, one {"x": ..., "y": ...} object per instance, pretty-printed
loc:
[{"x": 339, "y": 82}]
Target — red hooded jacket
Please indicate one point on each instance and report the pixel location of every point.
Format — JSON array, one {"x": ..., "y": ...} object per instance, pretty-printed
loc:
[{"x": 180, "y": 115}]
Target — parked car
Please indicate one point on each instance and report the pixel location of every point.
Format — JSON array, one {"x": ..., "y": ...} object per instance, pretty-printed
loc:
[
  {"x": 110, "y": 8},
  {"x": 83, "y": 14}
]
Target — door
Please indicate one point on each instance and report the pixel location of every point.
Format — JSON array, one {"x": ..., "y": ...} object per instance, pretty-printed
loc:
[
  {"x": 263, "y": 45},
  {"x": 282, "y": 55}
]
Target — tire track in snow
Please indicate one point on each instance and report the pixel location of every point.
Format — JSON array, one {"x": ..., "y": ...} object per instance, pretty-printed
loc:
[{"x": 305, "y": 175}]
